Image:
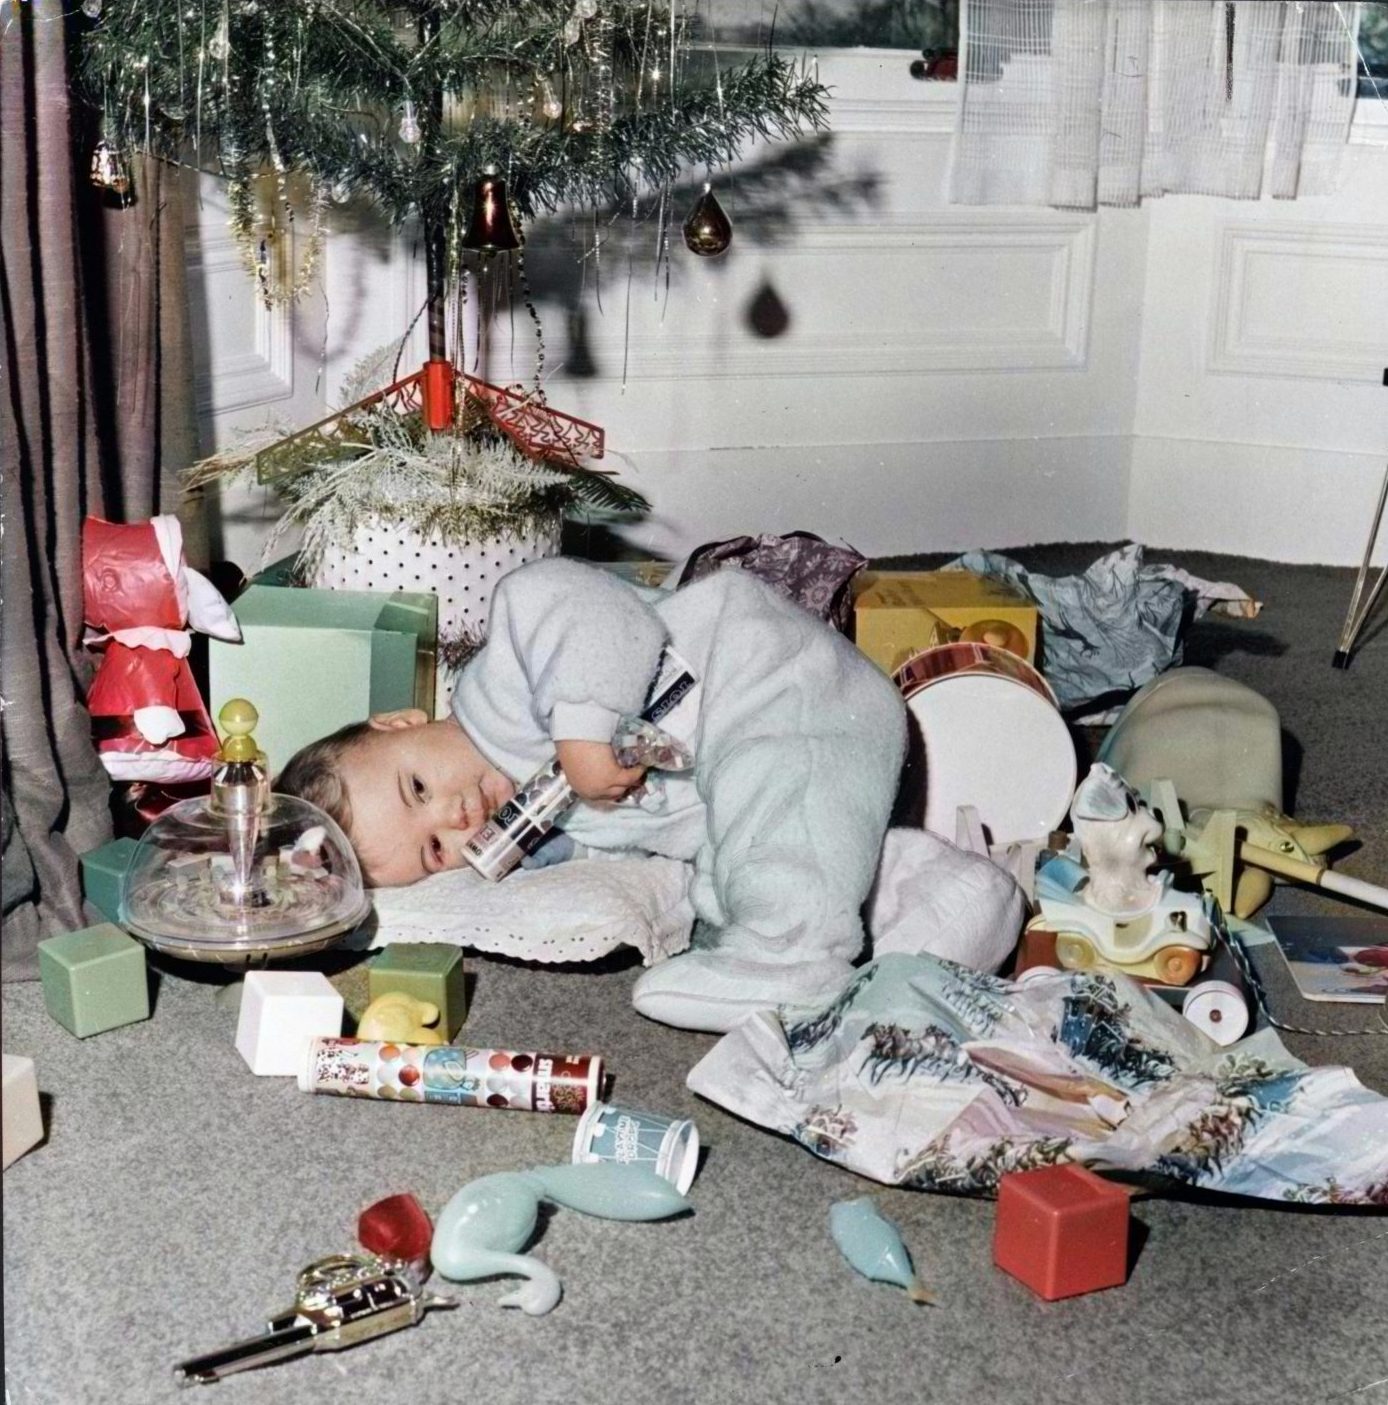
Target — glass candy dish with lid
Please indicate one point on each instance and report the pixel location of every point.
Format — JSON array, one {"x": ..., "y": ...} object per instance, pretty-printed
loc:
[{"x": 243, "y": 876}]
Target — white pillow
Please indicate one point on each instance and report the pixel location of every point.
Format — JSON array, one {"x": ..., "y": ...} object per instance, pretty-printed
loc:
[
  {"x": 934, "y": 898},
  {"x": 575, "y": 911}
]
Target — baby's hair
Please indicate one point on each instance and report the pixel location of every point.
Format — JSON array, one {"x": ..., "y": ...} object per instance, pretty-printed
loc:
[{"x": 314, "y": 773}]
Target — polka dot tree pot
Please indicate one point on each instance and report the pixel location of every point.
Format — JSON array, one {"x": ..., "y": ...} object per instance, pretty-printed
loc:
[{"x": 462, "y": 573}]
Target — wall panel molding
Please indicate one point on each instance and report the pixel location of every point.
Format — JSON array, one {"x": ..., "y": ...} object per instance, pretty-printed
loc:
[
  {"x": 1337, "y": 331},
  {"x": 261, "y": 370},
  {"x": 1033, "y": 317}
]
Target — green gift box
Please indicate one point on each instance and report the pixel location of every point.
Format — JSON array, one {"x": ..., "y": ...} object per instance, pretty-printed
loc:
[{"x": 312, "y": 661}]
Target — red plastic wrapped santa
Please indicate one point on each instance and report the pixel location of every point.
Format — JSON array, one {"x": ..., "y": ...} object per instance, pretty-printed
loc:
[{"x": 148, "y": 719}]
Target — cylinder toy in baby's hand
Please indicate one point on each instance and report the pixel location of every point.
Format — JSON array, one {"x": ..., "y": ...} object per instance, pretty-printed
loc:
[
  {"x": 525, "y": 821},
  {"x": 522, "y": 824}
]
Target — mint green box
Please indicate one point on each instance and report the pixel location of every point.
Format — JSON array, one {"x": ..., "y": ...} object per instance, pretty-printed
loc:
[
  {"x": 431, "y": 971},
  {"x": 312, "y": 661},
  {"x": 94, "y": 980},
  {"x": 103, "y": 873}
]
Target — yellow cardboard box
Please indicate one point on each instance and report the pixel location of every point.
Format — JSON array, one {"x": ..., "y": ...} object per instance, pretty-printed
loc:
[{"x": 899, "y": 613}]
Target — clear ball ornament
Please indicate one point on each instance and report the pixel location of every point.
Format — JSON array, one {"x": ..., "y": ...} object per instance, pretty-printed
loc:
[
  {"x": 92, "y": 9},
  {"x": 409, "y": 126}
]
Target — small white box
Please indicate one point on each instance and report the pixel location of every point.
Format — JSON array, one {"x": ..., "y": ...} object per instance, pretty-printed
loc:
[
  {"x": 280, "y": 1012},
  {"x": 23, "y": 1121}
]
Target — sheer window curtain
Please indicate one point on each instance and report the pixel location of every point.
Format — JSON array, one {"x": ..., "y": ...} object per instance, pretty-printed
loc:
[{"x": 1081, "y": 103}]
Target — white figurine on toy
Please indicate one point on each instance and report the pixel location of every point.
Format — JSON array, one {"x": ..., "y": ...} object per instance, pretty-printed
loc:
[{"x": 1117, "y": 834}]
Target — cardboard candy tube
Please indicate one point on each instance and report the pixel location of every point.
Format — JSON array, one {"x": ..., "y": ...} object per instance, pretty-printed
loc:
[
  {"x": 521, "y": 824},
  {"x": 452, "y": 1073}
]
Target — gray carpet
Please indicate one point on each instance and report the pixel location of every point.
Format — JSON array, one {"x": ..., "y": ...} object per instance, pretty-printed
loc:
[{"x": 177, "y": 1195}]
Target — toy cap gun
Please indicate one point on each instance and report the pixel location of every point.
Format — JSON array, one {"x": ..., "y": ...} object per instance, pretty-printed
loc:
[{"x": 340, "y": 1301}]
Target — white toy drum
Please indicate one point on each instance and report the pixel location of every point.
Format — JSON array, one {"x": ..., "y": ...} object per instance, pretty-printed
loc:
[{"x": 994, "y": 739}]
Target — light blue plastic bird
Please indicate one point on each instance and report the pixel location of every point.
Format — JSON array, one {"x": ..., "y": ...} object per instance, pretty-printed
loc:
[
  {"x": 873, "y": 1246},
  {"x": 485, "y": 1225}
]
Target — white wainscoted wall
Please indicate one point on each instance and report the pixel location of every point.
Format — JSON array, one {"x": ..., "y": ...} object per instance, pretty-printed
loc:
[{"x": 876, "y": 365}]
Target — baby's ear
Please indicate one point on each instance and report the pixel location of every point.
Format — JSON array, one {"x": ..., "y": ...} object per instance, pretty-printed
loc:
[{"x": 398, "y": 721}]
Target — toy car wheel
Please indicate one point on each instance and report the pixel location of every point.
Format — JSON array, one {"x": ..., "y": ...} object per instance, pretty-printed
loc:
[
  {"x": 1177, "y": 964},
  {"x": 1074, "y": 953}
]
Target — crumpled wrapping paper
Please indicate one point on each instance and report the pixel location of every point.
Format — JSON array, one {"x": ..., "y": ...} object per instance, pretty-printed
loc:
[
  {"x": 1118, "y": 625},
  {"x": 809, "y": 570},
  {"x": 928, "y": 1075}
]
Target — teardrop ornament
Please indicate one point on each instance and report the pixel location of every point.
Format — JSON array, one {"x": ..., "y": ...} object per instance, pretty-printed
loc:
[{"x": 708, "y": 231}]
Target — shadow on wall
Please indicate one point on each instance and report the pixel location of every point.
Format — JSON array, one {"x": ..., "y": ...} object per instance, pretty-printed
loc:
[{"x": 584, "y": 264}]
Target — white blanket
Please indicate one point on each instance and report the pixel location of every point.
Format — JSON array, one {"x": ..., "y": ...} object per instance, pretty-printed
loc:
[
  {"x": 929, "y": 896},
  {"x": 575, "y": 911}
]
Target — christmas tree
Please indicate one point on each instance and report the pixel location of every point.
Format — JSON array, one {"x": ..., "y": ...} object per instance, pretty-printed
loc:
[
  {"x": 457, "y": 112},
  {"x": 469, "y": 116}
]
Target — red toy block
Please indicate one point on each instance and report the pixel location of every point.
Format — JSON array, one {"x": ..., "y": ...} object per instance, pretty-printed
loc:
[{"x": 1062, "y": 1231}]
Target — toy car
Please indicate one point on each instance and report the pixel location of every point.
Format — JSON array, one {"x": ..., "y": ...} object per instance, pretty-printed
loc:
[{"x": 1169, "y": 942}]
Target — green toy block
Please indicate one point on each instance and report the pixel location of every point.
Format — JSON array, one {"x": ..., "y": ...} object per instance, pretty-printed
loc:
[
  {"x": 94, "y": 980},
  {"x": 429, "y": 971},
  {"x": 103, "y": 870}
]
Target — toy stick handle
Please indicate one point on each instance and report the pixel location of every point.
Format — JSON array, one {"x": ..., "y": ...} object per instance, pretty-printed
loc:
[
  {"x": 1372, "y": 893},
  {"x": 1317, "y": 875}
]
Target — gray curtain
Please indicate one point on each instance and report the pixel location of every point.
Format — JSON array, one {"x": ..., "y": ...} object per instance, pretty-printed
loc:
[{"x": 89, "y": 422}]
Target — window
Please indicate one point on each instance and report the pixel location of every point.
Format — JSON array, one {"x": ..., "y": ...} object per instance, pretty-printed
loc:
[
  {"x": 1373, "y": 50},
  {"x": 931, "y": 25},
  {"x": 836, "y": 24}
]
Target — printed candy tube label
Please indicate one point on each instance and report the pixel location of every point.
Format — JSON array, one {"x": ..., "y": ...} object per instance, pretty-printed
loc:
[{"x": 452, "y": 1073}]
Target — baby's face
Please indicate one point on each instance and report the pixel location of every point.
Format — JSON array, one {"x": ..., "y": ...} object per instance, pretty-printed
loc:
[{"x": 418, "y": 790}]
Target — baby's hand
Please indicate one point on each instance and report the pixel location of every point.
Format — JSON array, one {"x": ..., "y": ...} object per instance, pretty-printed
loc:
[{"x": 594, "y": 772}]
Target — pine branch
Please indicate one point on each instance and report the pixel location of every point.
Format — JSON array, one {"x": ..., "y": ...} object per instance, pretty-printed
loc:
[{"x": 318, "y": 87}]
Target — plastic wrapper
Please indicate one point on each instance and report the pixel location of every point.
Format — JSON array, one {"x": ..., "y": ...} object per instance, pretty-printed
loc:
[{"x": 637, "y": 742}]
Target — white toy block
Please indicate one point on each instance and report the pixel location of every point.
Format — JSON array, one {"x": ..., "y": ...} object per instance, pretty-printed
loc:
[
  {"x": 280, "y": 1012},
  {"x": 23, "y": 1121}
]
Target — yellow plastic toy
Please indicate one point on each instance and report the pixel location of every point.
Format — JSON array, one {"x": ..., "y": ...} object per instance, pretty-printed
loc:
[
  {"x": 401, "y": 1019},
  {"x": 1206, "y": 752}
]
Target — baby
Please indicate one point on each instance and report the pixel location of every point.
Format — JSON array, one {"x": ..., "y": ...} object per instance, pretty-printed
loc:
[{"x": 797, "y": 743}]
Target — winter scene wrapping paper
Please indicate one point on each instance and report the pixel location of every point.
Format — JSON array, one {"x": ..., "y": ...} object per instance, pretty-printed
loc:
[{"x": 929, "y": 1075}]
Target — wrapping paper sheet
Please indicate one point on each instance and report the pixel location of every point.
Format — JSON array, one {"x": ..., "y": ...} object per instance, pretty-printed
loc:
[
  {"x": 1115, "y": 627},
  {"x": 932, "y": 1076}
]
